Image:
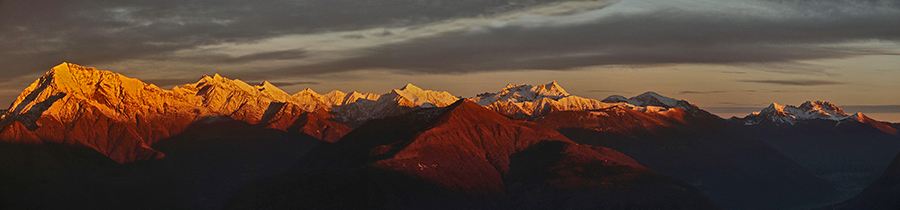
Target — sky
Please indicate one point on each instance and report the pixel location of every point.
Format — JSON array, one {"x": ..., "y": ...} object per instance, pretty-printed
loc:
[{"x": 728, "y": 56}]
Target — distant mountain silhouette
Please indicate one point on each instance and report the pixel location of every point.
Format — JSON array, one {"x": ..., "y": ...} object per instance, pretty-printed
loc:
[{"x": 203, "y": 166}]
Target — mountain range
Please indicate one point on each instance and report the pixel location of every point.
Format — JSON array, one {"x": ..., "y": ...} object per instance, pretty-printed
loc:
[
  {"x": 78, "y": 135},
  {"x": 850, "y": 151}
]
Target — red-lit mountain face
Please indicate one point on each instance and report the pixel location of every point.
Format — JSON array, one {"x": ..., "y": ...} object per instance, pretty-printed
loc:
[
  {"x": 466, "y": 156},
  {"x": 122, "y": 117}
]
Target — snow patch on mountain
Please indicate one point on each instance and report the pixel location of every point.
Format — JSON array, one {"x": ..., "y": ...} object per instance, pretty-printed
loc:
[
  {"x": 355, "y": 108},
  {"x": 527, "y": 101},
  {"x": 105, "y": 110},
  {"x": 654, "y": 102},
  {"x": 522, "y": 93}
]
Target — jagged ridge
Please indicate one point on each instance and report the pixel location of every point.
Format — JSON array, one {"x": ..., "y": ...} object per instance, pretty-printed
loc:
[
  {"x": 69, "y": 101},
  {"x": 782, "y": 115},
  {"x": 122, "y": 117},
  {"x": 652, "y": 101}
]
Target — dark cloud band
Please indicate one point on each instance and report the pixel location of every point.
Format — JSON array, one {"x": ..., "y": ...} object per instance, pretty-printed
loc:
[
  {"x": 701, "y": 92},
  {"x": 90, "y": 32},
  {"x": 795, "y": 82},
  {"x": 662, "y": 36}
]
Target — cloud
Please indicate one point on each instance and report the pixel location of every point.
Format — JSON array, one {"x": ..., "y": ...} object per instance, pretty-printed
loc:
[
  {"x": 602, "y": 91},
  {"x": 354, "y": 36},
  {"x": 275, "y": 55},
  {"x": 90, "y": 32},
  {"x": 676, "y": 32},
  {"x": 221, "y": 58},
  {"x": 441, "y": 37},
  {"x": 743, "y": 104},
  {"x": 795, "y": 82},
  {"x": 701, "y": 92}
]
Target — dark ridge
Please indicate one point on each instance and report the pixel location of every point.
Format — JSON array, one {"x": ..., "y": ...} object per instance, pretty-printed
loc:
[
  {"x": 204, "y": 165},
  {"x": 453, "y": 158},
  {"x": 735, "y": 171}
]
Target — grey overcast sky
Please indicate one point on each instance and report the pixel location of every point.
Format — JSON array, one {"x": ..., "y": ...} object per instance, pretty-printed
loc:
[{"x": 714, "y": 53}]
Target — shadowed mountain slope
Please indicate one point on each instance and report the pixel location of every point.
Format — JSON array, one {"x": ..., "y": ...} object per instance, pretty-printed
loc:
[
  {"x": 204, "y": 165},
  {"x": 736, "y": 172},
  {"x": 884, "y": 193},
  {"x": 466, "y": 156},
  {"x": 850, "y": 151}
]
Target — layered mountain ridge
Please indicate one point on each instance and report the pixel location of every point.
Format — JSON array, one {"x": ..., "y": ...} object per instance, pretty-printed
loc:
[
  {"x": 849, "y": 150},
  {"x": 466, "y": 145},
  {"x": 530, "y": 102},
  {"x": 122, "y": 117},
  {"x": 464, "y": 156},
  {"x": 527, "y": 102},
  {"x": 652, "y": 99},
  {"x": 69, "y": 101},
  {"x": 720, "y": 160}
]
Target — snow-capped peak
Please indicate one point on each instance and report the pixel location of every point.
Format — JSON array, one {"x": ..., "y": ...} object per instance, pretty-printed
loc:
[
  {"x": 309, "y": 91},
  {"x": 648, "y": 98},
  {"x": 773, "y": 108},
  {"x": 859, "y": 116},
  {"x": 616, "y": 98},
  {"x": 653, "y": 99},
  {"x": 424, "y": 98},
  {"x": 523, "y": 93},
  {"x": 411, "y": 87},
  {"x": 526, "y": 101},
  {"x": 822, "y": 107},
  {"x": 788, "y": 114},
  {"x": 552, "y": 89},
  {"x": 360, "y": 107},
  {"x": 354, "y": 96}
]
